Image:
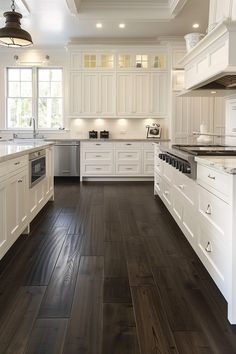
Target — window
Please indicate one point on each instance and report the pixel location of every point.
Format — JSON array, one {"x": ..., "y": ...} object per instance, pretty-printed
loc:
[{"x": 34, "y": 92}]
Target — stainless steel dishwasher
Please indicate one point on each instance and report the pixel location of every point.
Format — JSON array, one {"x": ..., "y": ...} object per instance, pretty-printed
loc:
[{"x": 66, "y": 158}]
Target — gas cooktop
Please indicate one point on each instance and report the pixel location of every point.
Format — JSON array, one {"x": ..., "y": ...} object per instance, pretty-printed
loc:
[{"x": 210, "y": 150}]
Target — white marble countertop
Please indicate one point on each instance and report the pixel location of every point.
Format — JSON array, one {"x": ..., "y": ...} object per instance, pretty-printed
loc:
[
  {"x": 10, "y": 150},
  {"x": 225, "y": 163},
  {"x": 151, "y": 140}
]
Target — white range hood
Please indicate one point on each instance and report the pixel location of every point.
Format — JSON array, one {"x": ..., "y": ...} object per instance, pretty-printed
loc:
[{"x": 210, "y": 67}]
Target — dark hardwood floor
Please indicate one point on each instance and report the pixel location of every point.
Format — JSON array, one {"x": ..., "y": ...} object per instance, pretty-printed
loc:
[{"x": 106, "y": 270}]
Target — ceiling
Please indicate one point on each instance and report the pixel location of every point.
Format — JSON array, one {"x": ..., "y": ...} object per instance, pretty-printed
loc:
[{"x": 57, "y": 22}]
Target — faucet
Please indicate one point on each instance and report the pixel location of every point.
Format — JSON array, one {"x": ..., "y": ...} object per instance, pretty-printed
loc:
[{"x": 33, "y": 123}]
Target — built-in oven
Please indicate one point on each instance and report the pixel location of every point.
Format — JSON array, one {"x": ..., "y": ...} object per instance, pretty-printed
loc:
[{"x": 37, "y": 167}]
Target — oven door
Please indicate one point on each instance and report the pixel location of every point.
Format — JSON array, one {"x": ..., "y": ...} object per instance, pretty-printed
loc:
[{"x": 37, "y": 170}]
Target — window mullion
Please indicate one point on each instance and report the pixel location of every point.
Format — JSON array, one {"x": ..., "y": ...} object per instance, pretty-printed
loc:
[{"x": 35, "y": 95}]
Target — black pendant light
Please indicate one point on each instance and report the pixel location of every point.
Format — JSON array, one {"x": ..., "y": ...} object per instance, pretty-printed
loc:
[{"x": 12, "y": 35}]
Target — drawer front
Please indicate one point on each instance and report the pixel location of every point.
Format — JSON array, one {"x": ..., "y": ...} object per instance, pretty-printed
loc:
[
  {"x": 12, "y": 166},
  {"x": 128, "y": 145},
  {"x": 148, "y": 155},
  {"x": 89, "y": 155},
  {"x": 212, "y": 253},
  {"x": 186, "y": 186},
  {"x": 97, "y": 169},
  {"x": 167, "y": 172},
  {"x": 157, "y": 149},
  {"x": 148, "y": 146},
  {"x": 220, "y": 182},
  {"x": 122, "y": 155},
  {"x": 214, "y": 211},
  {"x": 158, "y": 184},
  {"x": 148, "y": 169},
  {"x": 97, "y": 145},
  {"x": 128, "y": 169},
  {"x": 158, "y": 165},
  {"x": 166, "y": 194}
]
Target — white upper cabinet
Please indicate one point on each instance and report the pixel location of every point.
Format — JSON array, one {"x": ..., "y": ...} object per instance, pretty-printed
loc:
[
  {"x": 125, "y": 87},
  {"x": 75, "y": 99},
  {"x": 221, "y": 10},
  {"x": 141, "y": 94},
  {"x": 101, "y": 61},
  {"x": 158, "y": 94},
  {"x": 177, "y": 56},
  {"x": 98, "y": 94}
]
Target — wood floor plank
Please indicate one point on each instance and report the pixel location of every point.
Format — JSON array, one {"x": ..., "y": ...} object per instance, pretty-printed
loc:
[
  {"x": 119, "y": 330},
  {"x": 58, "y": 298},
  {"x": 117, "y": 290},
  {"x": 46, "y": 257},
  {"x": 84, "y": 334},
  {"x": 153, "y": 329},
  {"x": 192, "y": 342},
  {"x": 47, "y": 336},
  {"x": 139, "y": 270},
  {"x": 15, "y": 329},
  {"x": 115, "y": 260}
]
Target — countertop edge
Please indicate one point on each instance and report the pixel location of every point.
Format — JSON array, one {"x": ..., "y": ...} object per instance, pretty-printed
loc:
[
  {"x": 219, "y": 166},
  {"x": 27, "y": 151}
]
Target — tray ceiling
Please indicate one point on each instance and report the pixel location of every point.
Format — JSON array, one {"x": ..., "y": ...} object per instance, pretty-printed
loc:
[{"x": 56, "y": 22}]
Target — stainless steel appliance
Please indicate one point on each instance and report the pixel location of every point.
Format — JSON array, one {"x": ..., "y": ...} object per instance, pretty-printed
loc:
[
  {"x": 37, "y": 167},
  {"x": 66, "y": 158},
  {"x": 182, "y": 156}
]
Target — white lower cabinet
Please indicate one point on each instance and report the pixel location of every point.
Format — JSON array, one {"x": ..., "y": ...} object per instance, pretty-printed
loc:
[
  {"x": 117, "y": 159},
  {"x": 206, "y": 214},
  {"x": 19, "y": 204}
]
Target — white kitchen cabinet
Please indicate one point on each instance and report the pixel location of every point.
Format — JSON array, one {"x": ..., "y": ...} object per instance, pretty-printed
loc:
[
  {"x": 125, "y": 93},
  {"x": 75, "y": 98},
  {"x": 131, "y": 159},
  {"x": 158, "y": 94},
  {"x": 221, "y": 10},
  {"x": 49, "y": 172},
  {"x": 98, "y": 94},
  {"x": 3, "y": 218},
  {"x": 141, "y": 94},
  {"x": 177, "y": 56}
]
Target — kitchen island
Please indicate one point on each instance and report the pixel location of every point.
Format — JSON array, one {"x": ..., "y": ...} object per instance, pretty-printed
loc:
[
  {"x": 205, "y": 210},
  {"x": 26, "y": 185}
]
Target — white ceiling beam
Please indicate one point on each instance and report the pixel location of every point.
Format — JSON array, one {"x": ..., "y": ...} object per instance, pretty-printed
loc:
[
  {"x": 74, "y": 7},
  {"x": 176, "y": 6}
]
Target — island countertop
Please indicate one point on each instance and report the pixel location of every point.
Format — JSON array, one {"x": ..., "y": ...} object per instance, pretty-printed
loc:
[
  {"x": 10, "y": 150},
  {"x": 225, "y": 164}
]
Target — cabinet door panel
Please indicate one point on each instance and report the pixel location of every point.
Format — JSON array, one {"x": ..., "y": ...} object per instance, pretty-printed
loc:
[
  {"x": 75, "y": 94},
  {"x": 158, "y": 94},
  {"x": 124, "y": 94},
  {"x": 107, "y": 95},
  {"x": 23, "y": 185},
  {"x": 12, "y": 207},
  {"x": 141, "y": 94},
  {"x": 90, "y": 94},
  {"x": 3, "y": 221}
]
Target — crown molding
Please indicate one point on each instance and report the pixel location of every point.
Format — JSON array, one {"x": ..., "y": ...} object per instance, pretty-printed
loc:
[
  {"x": 72, "y": 6},
  {"x": 124, "y": 5},
  {"x": 176, "y": 6}
]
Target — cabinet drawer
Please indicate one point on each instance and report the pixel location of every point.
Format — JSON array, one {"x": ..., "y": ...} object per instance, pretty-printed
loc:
[
  {"x": 89, "y": 155},
  {"x": 12, "y": 165},
  {"x": 122, "y": 155},
  {"x": 128, "y": 169},
  {"x": 97, "y": 169},
  {"x": 218, "y": 182},
  {"x": 167, "y": 172},
  {"x": 158, "y": 184},
  {"x": 128, "y": 145},
  {"x": 148, "y": 169},
  {"x": 186, "y": 186},
  {"x": 158, "y": 165},
  {"x": 97, "y": 144},
  {"x": 147, "y": 145},
  {"x": 148, "y": 155},
  {"x": 215, "y": 211},
  {"x": 166, "y": 193},
  {"x": 212, "y": 253}
]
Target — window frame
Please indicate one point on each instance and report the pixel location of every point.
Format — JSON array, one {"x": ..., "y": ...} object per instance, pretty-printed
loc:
[{"x": 35, "y": 97}]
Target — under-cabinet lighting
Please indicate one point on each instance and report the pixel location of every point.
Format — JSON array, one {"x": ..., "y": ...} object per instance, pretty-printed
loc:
[
  {"x": 122, "y": 25},
  {"x": 213, "y": 92},
  {"x": 99, "y": 25}
]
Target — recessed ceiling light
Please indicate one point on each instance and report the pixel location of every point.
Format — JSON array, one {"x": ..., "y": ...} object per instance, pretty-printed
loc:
[
  {"x": 196, "y": 25},
  {"x": 213, "y": 92},
  {"x": 99, "y": 25},
  {"x": 122, "y": 25}
]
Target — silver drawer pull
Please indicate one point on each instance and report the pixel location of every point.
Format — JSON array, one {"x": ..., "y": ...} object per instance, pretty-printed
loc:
[
  {"x": 211, "y": 177},
  {"x": 17, "y": 163},
  {"x": 98, "y": 156},
  {"x": 129, "y": 168},
  {"x": 129, "y": 156},
  {"x": 98, "y": 168},
  {"x": 158, "y": 165},
  {"x": 208, "y": 248},
  {"x": 98, "y": 144},
  {"x": 209, "y": 210},
  {"x": 128, "y": 144},
  {"x": 20, "y": 180},
  {"x": 181, "y": 186}
]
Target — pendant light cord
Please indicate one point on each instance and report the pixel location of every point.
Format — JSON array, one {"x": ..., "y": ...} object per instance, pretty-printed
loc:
[{"x": 13, "y": 6}]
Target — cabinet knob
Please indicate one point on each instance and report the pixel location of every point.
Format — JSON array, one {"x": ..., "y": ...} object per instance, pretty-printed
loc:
[
  {"x": 17, "y": 163},
  {"x": 208, "y": 247},
  {"x": 211, "y": 177},
  {"x": 167, "y": 192},
  {"x": 209, "y": 209},
  {"x": 20, "y": 181},
  {"x": 181, "y": 186}
]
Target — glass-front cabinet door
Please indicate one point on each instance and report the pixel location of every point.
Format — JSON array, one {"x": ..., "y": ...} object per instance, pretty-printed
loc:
[
  {"x": 90, "y": 61},
  {"x": 141, "y": 61},
  {"x": 158, "y": 61},
  {"x": 125, "y": 61},
  {"x": 107, "y": 61}
]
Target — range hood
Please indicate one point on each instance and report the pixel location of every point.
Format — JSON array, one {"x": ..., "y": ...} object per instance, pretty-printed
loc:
[{"x": 210, "y": 67}]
